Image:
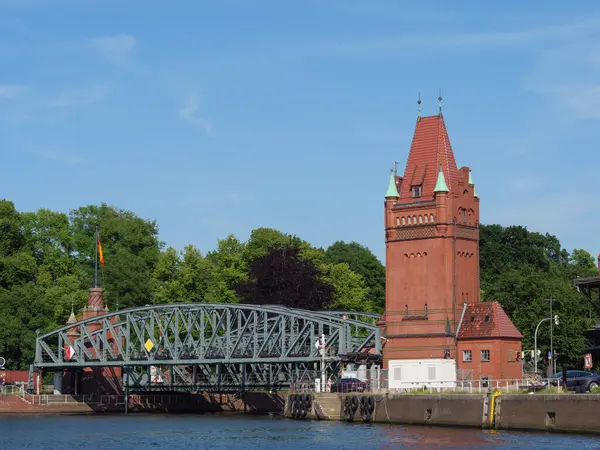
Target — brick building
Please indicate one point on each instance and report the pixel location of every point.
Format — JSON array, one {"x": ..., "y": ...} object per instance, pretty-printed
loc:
[
  {"x": 433, "y": 308},
  {"x": 91, "y": 380}
]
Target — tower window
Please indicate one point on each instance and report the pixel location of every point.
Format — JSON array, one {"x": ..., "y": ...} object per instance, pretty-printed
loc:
[{"x": 416, "y": 191}]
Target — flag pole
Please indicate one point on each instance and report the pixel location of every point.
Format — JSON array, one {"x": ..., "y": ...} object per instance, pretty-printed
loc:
[{"x": 96, "y": 261}]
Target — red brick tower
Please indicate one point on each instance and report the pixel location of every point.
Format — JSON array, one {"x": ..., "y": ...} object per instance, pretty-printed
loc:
[
  {"x": 101, "y": 380},
  {"x": 432, "y": 248}
]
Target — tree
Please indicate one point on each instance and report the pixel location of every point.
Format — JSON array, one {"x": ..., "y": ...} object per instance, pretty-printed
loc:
[
  {"x": 23, "y": 310},
  {"x": 522, "y": 269},
  {"x": 229, "y": 272},
  {"x": 263, "y": 240},
  {"x": 11, "y": 238},
  {"x": 582, "y": 264},
  {"x": 364, "y": 263},
  {"x": 166, "y": 283},
  {"x": 349, "y": 290},
  {"x": 131, "y": 250},
  {"x": 282, "y": 277}
]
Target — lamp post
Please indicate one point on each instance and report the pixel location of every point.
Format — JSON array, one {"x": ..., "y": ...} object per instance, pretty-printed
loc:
[
  {"x": 320, "y": 344},
  {"x": 323, "y": 389},
  {"x": 535, "y": 354},
  {"x": 552, "y": 371}
]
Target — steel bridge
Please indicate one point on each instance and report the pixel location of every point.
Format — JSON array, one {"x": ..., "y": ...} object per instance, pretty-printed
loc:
[{"x": 213, "y": 346}]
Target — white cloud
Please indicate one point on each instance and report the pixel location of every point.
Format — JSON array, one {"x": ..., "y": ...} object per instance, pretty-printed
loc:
[
  {"x": 458, "y": 41},
  {"x": 188, "y": 113},
  {"x": 77, "y": 97},
  {"x": 571, "y": 214},
  {"x": 526, "y": 183},
  {"x": 10, "y": 91},
  {"x": 567, "y": 76},
  {"x": 42, "y": 4},
  {"x": 60, "y": 157},
  {"x": 117, "y": 48}
]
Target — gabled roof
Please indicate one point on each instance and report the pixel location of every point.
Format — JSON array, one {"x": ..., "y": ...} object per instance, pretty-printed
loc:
[
  {"x": 487, "y": 320},
  {"x": 429, "y": 150}
]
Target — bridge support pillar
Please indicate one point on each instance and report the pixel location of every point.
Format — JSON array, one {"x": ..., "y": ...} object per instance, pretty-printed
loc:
[
  {"x": 58, "y": 382},
  {"x": 243, "y": 373}
]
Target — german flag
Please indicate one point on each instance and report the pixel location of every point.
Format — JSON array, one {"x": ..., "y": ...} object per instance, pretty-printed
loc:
[{"x": 100, "y": 254}]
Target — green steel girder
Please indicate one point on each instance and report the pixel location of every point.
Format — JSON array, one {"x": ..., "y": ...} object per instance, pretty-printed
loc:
[
  {"x": 237, "y": 377},
  {"x": 209, "y": 335}
]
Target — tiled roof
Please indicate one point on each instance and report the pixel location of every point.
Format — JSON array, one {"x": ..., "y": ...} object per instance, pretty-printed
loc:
[
  {"x": 430, "y": 148},
  {"x": 487, "y": 319}
]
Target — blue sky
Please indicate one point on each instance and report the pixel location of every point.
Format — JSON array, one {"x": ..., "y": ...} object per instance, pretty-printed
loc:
[{"x": 217, "y": 117}]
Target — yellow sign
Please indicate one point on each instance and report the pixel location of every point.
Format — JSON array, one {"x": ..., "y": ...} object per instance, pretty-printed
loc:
[{"x": 149, "y": 345}]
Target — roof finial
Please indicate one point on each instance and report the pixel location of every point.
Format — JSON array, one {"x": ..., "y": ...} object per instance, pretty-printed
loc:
[
  {"x": 440, "y": 101},
  {"x": 419, "y": 103}
]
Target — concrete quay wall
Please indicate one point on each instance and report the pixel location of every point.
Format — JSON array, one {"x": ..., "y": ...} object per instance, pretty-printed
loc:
[
  {"x": 577, "y": 413},
  {"x": 251, "y": 403}
]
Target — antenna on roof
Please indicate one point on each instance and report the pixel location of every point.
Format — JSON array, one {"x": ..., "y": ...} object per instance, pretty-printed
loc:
[
  {"x": 396, "y": 170},
  {"x": 440, "y": 101},
  {"x": 419, "y": 103}
]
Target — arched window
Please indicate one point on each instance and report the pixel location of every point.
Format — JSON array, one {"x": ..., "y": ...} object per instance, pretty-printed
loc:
[
  {"x": 403, "y": 221},
  {"x": 409, "y": 220},
  {"x": 426, "y": 218},
  {"x": 414, "y": 220},
  {"x": 431, "y": 218},
  {"x": 420, "y": 219},
  {"x": 397, "y": 221}
]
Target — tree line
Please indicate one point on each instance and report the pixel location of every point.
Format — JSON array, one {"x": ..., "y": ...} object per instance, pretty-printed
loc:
[{"x": 47, "y": 263}]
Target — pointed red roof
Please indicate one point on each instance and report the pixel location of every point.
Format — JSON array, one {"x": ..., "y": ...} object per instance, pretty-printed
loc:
[
  {"x": 487, "y": 320},
  {"x": 430, "y": 148}
]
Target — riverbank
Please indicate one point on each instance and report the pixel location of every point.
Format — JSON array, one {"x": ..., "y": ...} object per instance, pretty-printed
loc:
[
  {"x": 573, "y": 413},
  {"x": 251, "y": 403}
]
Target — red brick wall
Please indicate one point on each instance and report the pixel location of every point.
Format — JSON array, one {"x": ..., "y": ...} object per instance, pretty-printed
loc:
[
  {"x": 502, "y": 363},
  {"x": 434, "y": 264}
]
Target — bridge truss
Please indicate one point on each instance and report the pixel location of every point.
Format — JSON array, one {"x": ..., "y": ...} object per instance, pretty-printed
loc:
[{"x": 212, "y": 346}]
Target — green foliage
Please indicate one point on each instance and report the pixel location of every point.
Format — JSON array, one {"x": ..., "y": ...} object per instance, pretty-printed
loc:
[
  {"x": 363, "y": 262},
  {"x": 521, "y": 270},
  {"x": 47, "y": 265},
  {"x": 349, "y": 290}
]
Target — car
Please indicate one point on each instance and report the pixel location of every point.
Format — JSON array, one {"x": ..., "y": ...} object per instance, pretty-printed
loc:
[
  {"x": 348, "y": 385},
  {"x": 586, "y": 378}
]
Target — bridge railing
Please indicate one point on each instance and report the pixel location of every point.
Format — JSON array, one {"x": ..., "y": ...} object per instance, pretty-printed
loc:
[{"x": 11, "y": 389}]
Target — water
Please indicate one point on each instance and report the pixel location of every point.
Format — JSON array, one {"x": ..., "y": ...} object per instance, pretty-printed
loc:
[{"x": 174, "y": 432}]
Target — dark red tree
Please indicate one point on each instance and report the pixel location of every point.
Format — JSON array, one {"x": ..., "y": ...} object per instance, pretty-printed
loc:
[{"x": 283, "y": 278}]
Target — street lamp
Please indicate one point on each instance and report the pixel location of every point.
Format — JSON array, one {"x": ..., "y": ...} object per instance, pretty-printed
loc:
[
  {"x": 320, "y": 344},
  {"x": 535, "y": 354},
  {"x": 552, "y": 371}
]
